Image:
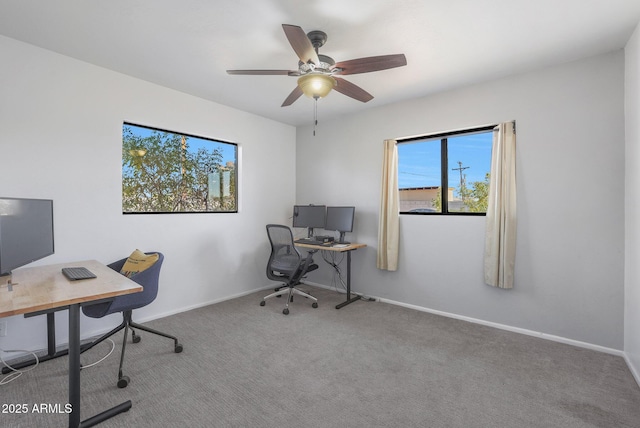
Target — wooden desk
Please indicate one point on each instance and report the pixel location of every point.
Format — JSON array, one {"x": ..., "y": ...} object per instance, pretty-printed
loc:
[
  {"x": 44, "y": 288},
  {"x": 348, "y": 249}
]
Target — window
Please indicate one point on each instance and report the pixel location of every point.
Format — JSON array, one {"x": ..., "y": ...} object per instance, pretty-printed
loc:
[
  {"x": 166, "y": 172},
  {"x": 445, "y": 173}
]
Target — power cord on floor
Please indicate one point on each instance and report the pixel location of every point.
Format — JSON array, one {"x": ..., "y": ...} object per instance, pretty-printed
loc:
[
  {"x": 331, "y": 259},
  {"x": 113, "y": 346},
  {"x": 16, "y": 373}
]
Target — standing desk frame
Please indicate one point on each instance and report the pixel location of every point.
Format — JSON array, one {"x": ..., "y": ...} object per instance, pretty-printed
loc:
[{"x": 348, "y": 249}]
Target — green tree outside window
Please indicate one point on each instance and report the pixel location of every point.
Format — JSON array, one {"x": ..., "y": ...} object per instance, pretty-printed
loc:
[{"x": 165, "y": 172}]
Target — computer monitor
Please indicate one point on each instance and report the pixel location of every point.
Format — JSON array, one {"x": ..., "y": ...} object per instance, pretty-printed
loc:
[
  {"x": 309, "y": 216},
  {"x": 26, "y": 232},
  {"x": 341, "y": 220}
]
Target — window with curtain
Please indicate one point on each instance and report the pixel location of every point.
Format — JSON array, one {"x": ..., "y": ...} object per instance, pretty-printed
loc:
[{"x": 446, "y": 173}]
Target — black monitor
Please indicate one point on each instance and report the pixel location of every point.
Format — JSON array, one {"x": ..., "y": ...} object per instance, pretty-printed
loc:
[
  {"x": 26, "y": 232},
  {"x": 309, "y": 216},
  {"x": 341, "y": 220}
]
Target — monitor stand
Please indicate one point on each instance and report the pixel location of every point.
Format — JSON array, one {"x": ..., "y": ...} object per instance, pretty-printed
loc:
[
  {"x": 7, "y": 279},
  {"x": 341, "y": 239}
]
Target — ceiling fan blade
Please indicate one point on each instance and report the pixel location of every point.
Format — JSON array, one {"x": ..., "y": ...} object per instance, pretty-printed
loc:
[
  {"x": 261, "y": 72},
  {"x": 293, "y": 96},
  {"x": 301, "y": 44},
  {"x": 372, "y": 63},
  {"x": 354, "y": 91}
]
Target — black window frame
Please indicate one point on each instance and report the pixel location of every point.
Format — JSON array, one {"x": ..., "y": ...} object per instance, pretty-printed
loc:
[
  {"x": 444, "y": 168},
  {"x": 234, "y": 178}
]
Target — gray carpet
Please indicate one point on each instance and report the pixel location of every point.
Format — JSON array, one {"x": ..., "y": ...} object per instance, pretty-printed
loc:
[{"x": 366, "y": 365}]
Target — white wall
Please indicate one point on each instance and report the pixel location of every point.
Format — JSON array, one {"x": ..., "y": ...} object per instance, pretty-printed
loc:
[
  {"x": 632, "y": 205},
  {"x": 570, "y": 173},
  {"x": 61, "y": 138}
]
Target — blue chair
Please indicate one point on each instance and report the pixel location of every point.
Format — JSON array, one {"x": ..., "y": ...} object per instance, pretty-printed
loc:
[{"x": 126, "y": 304}]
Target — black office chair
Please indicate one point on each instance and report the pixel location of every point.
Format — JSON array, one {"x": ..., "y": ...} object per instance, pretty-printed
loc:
[
  {"x": 286, "y": 265},
  {"x": 126, "y": 304}
]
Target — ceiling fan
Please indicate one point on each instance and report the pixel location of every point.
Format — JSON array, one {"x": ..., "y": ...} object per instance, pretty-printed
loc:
[{"x": 317, "y": 74}]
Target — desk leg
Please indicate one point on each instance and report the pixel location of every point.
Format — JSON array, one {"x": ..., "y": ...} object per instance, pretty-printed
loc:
[
  {"x": 51, "y": 346},
  {"x": 74, "y": 365},
  {"x": 349, "y": 298},
  {"x": 51, "y": 334},
  {"x": 74, "y": 378}
]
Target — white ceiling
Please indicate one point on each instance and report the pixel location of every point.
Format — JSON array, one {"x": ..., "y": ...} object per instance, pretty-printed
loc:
[{"x": 188, "y": 45}]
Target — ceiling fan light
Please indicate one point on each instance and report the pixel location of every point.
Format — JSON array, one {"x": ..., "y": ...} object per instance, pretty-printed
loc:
[{"x": 316, "y": 85}]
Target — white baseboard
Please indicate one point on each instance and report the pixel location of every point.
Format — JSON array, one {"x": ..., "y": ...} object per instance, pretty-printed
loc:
[
  {"x": 525, "y": 331},
  {"x": 99, "y": 332},
  {"x": 203, "y": 304},
  {"x": 554, "y": 338},
  {"x": 634, "y": 371}
]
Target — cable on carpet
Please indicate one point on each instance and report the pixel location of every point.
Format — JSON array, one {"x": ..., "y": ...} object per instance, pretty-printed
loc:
[
  {"x": 16, "y": 373},
  {"x": 113, "y": 346}
]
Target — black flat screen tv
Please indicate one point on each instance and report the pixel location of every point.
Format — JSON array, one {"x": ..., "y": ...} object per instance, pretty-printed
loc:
[{"x": 26, "y": 232}]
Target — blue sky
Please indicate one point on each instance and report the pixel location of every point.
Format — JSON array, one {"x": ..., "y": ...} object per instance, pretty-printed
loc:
[
  {"x": 227, "y": 150},
  {"x": 419, "y": 162}
]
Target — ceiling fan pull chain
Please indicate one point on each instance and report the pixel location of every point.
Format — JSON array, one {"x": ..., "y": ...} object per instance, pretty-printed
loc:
[{"x": 315, "y": 115}]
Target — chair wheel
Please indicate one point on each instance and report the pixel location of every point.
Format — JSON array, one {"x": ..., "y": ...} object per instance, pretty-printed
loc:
[
  {"x": 135, "y": 338},
  {"x": 285, "y": 311},
  {"x": 262, "y": 303},
  {"x": 314, "y": 305},
  {"x": 123, "y": 382},
  {"x": 178, "y": 348}
]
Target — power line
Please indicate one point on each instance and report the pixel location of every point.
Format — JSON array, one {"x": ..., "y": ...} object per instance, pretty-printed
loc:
[{"x": 461, "y": 168}]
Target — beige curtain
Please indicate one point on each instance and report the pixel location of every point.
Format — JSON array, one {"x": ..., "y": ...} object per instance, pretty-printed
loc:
[
  {"x": 389, "y": 225},
  {"x": 500, "y": 237}
]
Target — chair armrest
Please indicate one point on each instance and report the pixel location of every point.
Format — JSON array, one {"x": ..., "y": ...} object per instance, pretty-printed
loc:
[
  {"x": 117, "y": 265},
  {"x": 307, "y": 263}
]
